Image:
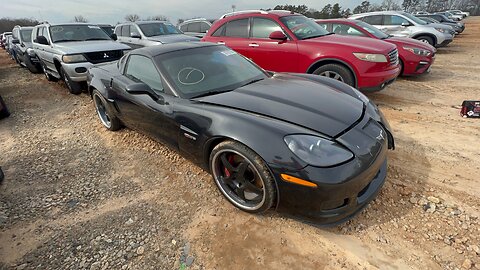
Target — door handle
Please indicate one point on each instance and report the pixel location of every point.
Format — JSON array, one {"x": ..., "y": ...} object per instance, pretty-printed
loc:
[
  {"x": 221, "y": 42},
  {"x": 253, "y": 45}
]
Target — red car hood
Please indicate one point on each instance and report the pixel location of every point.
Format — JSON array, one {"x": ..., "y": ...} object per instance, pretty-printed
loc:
[
  {"x": 356, "y": 43},
  {"x": 401, "y": 41}
]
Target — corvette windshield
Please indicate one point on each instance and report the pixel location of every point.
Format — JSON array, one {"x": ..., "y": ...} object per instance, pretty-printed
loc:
[
  {"x": 158, "y": 29},
  {"x": 372, "y": 30},
  {"x": 82, "y": 32},
  {"x": 207, "y": 70},
  {"x": 303, "y": 27}
]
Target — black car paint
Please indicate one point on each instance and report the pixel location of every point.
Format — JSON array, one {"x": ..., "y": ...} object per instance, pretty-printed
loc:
[{"x": 194, "y": 126}]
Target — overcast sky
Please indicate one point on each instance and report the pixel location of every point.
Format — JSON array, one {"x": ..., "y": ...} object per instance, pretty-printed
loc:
[{"x": 113, "y": 11}]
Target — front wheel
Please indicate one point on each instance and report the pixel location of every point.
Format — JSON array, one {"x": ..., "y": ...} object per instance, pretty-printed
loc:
[
  {"x": 336, "y": 72},
  {"x": 242, "y": 177},
  {"x": 33, "y": 67},
  {"x": 74, "y": 87},
  {"x": 426, "y": 39},
  {"x": 48, "y": 76}
]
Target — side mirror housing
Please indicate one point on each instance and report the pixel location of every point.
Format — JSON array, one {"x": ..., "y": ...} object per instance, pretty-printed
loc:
[
  {"x": 15, "y": 41},
  {"x": 133, "y": 35},
  {"x": 278, "y": 35},
  {"x": 42, "y": 40},
  {"x": 405, "y": 24},
  {"x": 142, "y": 89},
  {"x": 114, "y": 36}
]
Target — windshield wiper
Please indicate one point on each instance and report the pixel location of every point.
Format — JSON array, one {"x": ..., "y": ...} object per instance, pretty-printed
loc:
[
  {"x": 66, "y": 40},
  {"x": 252, "y": 81},
  {"x": 327, "y": 34},
  {"x": 210, "y": 93},
  {"x": 96, "y": 39}
]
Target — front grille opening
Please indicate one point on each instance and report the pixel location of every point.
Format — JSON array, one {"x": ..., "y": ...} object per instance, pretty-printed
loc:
[
  {"x": 332, "y": 205},
  {"x": 393, "y": 57},
  {"x": 104, "y": 56}
]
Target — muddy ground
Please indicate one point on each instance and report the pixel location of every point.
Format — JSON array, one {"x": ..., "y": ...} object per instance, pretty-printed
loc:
[{"x": 79, "y": 197}]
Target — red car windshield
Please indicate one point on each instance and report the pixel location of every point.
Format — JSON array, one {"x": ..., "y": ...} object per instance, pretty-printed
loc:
[{"x": 303, "y": 27}]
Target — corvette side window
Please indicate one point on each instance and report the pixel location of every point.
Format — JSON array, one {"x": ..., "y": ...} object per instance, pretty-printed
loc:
[{"x": 141, "y": 69}]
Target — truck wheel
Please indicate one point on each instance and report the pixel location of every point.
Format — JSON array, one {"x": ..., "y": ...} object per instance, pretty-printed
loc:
[
  {"x": 74, "y": 87},
  {"x": 49, "y": 77},
  {"x": 426, "y": 39},
  {"x": 336, "y": 72}
]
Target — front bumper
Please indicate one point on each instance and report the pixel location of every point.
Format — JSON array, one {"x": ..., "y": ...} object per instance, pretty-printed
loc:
[
  {"x": 376, "y": 81},
  {"x": 77, "y": 71},
  {"x": 417, "y": 65},
  {"x": 448, "y": 40},
  {"x": 343, "y": 190}
]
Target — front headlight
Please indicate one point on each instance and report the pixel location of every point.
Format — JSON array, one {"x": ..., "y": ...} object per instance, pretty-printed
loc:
[
  {"x": 317, "y": 151},
  {"x": 418, "y": 51},
  {"x": 440, "y": 30},
  {"x": 371, "y": 57},
  {"x": 73, "y": 58}
]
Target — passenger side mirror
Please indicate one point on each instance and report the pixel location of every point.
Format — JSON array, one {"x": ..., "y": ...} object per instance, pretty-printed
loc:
[
  {"x": 15, "y": 41},
  {"x": 114, "y": 36},
  {"x": 42, "y": 40},
  {"x": 278, "y": 35},
  {"x": 135, "y": 35},
  {"x": 143, "y": 89}
]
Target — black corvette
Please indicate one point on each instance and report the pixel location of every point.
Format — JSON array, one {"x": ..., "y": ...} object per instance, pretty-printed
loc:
[{"x": 300, "y": 143}]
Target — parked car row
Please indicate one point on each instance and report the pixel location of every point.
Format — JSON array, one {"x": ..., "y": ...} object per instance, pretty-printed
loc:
[{"x": 319, "y": 146}]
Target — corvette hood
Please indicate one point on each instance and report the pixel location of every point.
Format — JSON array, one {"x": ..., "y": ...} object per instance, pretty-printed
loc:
[
  {"x": 167, "y": 39},
  {"x": 296, "y": 100}
]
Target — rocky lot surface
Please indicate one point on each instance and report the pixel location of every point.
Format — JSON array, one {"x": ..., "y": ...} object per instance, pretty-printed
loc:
[{"x": 79, "y": 197}]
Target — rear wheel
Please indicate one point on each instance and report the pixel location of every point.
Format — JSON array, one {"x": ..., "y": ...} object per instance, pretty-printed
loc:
[
  {"x": 336, "y": 72},
  {"x": 74, "y": 87},
  {"x": 426, "y": 39},
  {"x": 242, "y": 177},
  {"x": 108, "y": 119}
]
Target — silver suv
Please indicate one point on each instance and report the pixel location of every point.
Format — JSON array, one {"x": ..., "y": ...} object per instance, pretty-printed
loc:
[
  {"x": 402, "y": 24},
  {"x": 66, "y": 51},
  {"x": 150, "y": 33},
  {"x": 195, "y": 27},
  {"x": 22, "y": 47}
]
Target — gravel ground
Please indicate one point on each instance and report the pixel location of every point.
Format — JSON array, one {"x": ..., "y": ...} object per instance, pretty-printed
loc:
[{"x": 79, "y": 197}]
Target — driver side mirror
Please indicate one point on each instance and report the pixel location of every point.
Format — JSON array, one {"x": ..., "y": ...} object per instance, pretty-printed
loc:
[
  {"x": 405, "y": 24},
  {"x": 135, "y": 35},
  {"x": 42, "y": 40},
  {"x": 114, "y": 36},
  {"x": 278, "y": 35},
  {"x": 143, "y": 89}
]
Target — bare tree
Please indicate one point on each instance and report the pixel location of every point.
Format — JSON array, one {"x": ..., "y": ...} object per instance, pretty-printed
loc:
[
  {"x": 132, "y": 17},
  {"x": 390, "y": 5},
  {"x": 80, "y": 18},
  {"x": 157, "y": 18}
]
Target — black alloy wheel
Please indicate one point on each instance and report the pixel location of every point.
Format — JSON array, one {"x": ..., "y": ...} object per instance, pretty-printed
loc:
[{"x": 242, "y": 177}]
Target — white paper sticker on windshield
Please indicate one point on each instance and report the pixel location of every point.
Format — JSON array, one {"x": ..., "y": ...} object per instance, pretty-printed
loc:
[
  {"x": 93, "y": 27},
  {"x": 229, "y": 52}
]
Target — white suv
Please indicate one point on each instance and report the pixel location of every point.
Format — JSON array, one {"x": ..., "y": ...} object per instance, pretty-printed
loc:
[
  {"x": 150, "y": 33},
  {"x": 67, "y": 51},
  {"x": 403, "y": 24}
]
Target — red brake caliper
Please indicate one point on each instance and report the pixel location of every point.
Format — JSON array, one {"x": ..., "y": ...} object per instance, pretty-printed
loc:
[{"x": 230, "y": 159}]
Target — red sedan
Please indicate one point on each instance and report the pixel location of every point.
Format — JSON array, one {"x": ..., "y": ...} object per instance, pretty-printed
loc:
[
  {"x": 282, "y": 41},
  {"x": 415, "y": 57}
]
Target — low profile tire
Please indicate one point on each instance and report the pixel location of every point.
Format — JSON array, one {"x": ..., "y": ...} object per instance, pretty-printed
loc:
[
  {"x": 336, "y": 72},
  {"x": 74, "y": 87},
  {"x": 48, "y": 76},
  {"x": 242, "y": 177},
  {"x": 107, "y": 118},
  {"x": 426, "y": 39}
]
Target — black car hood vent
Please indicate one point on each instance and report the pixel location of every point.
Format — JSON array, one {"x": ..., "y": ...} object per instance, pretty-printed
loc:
[{"x": 296, "y": 100}]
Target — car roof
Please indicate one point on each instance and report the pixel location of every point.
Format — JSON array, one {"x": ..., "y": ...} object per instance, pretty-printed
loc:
[
  {"x": 246, "y": 13},
  {"x": 388, "y": 12},
  {"x": 167, "y": 48},
  {"x": 337, "y": 20},
  {"x": 144, "y": 22}
]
